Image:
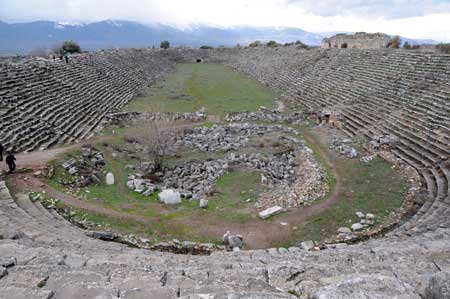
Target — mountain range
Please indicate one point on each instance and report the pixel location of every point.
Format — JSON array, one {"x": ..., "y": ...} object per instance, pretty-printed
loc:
[{"x": 23, "y": 38}]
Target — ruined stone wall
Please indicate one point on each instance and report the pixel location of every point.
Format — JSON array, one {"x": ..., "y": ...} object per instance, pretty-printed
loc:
[{"x": 359, "y": 40}]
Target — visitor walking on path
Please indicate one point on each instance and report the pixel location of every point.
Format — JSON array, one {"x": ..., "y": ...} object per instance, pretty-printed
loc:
[
  {"x": 1, "y": 152},
  {"x": 10, "y": 160}
]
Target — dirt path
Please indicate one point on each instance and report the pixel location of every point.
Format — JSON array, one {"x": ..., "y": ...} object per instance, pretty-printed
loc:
[
  {"x": 26, "y": 182},
  {"x": 39, "y": 159}
]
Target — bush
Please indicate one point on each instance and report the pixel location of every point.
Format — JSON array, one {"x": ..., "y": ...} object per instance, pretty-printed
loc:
[
  {"x": 255, "y": 44},
  {"x": 407, "y": 46},
  {"x": 443, "y": 48},
  {"x": 272, "y": 44},
  {"x": 396, "y": 42},
  {"x": 206, "y": 47},
  {"x": 165, "y": 44},
  {"x": 68, "y": 46},
  {"x": 301, "y": 45}
]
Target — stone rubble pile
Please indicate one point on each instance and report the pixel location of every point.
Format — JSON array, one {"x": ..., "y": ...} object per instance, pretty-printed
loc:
[
  {"x": 187, "y": 247},
  {"x": 309, "y": 183},
  {"x": 366, "y": 221},
  {"x": 227, "y": 137},
  {"x": 344, "y": 147},
  {"x": 86, "y": 168},
  {"x": 119, "y": 117},
  {"x": 266, "y": 115},
  {"x": 293, "y": 176},
  {"x": 382, "y": 142},
  {"x": 232, "y": 242}
]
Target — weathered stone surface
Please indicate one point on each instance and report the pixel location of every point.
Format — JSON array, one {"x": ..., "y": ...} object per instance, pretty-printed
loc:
[
  {"x": 233, "y": 242},
  {"x": 203, "y": 203},
  {"x": 344, "y": 230},
  {"x": 109, "y": 178},
  {"x": 438, "y": 286},
  {"x": 359, "y": 40},
  {"x": 270, "y": 212},
  {"x": 357, "y": 227},
  {"x": 306, "y": 245},
  {"x": 3, "y": 272},
  {"x": 367, "y": 287},
  {"x": 360, "y": 214},
  {"x": 169, "y": 197}
]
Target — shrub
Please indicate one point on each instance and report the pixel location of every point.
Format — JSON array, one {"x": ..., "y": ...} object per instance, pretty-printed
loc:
[
  {"x": 272, "y": 44},
  {"x": 301, "y": 45},
  {"x": 407, "y": 46},
  {"x": 165, "y": 44},
  {"x": 68, "y": 46},
  {"x": 206, "y": 47},
  {"x": 255, "y": 44},
  {"x": 443, "y": 48},
  {"x": 396, "y": 42}
]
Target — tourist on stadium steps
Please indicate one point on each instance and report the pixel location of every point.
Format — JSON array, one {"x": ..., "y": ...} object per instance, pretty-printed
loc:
[{"x": 10, "y": 160}]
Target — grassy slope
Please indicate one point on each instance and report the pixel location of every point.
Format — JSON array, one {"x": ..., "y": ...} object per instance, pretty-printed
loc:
[{"x": 213, "y": 86}]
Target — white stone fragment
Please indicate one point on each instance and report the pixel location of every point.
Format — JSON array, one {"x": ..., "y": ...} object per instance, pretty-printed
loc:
[
  {"x": 170, "y": 197},
  {"x": 270, "y": 212},
  {"x": 357, "y": 226},
  {"x": 110, "y": 178}
]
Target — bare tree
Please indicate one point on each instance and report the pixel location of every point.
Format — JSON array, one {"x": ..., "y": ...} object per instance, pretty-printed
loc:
[{"x": 157, "y": 136}]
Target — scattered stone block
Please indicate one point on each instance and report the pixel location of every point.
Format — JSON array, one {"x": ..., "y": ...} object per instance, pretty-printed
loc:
[
  {"x": 110, "y": 178},
  {"x": 360, "y": 214},
  {"x": 306, "y": 245},
  {"x": 203, "y": 203},
  {"x": 105, "y": 236},
  {"x": 169, "y": 197},
  {"x": 370, "y": 216},
  {"x": 233, "y": 242},
  {"x": 34, "y": 197},
  {"x": 270, "y": 212},
  {"x": 73, "y": 170},
  {"x": 344, "y": 230},
  {"x": 357, "y": 226},
  {"x": 68, "y": 164}
]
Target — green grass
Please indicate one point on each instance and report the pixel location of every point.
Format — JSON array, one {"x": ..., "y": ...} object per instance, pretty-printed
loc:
[
  {"x": 372, "y": 187},
  {"x": 229, "y": 204},
  {"x": 214, "y": 87}
]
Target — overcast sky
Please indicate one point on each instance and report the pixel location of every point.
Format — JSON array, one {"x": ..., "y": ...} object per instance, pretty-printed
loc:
[{"x": 409, "y": 18}]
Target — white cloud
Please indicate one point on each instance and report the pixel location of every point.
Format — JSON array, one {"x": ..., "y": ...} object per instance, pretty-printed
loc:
[{"x": 410, "y": 18}]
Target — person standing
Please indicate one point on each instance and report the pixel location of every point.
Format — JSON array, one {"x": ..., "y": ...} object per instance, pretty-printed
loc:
[{"x": 10, "y": 160}]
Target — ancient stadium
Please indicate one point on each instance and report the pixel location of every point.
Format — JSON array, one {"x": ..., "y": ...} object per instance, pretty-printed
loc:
[{"x": 246, "y": 172}]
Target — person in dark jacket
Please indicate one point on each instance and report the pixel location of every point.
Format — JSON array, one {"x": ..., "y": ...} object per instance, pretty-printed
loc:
[
  {"x": 10, "y": 160},
  {"x": 1, "y": 152}
]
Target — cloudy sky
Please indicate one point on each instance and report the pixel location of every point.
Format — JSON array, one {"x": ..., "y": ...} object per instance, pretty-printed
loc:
[{"x": 409, "y": 18}]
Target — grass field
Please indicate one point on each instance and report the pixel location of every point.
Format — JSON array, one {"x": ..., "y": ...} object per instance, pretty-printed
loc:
[
  {"x": 371, "y": 188},
  {"x": 213, "y": 87}
]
